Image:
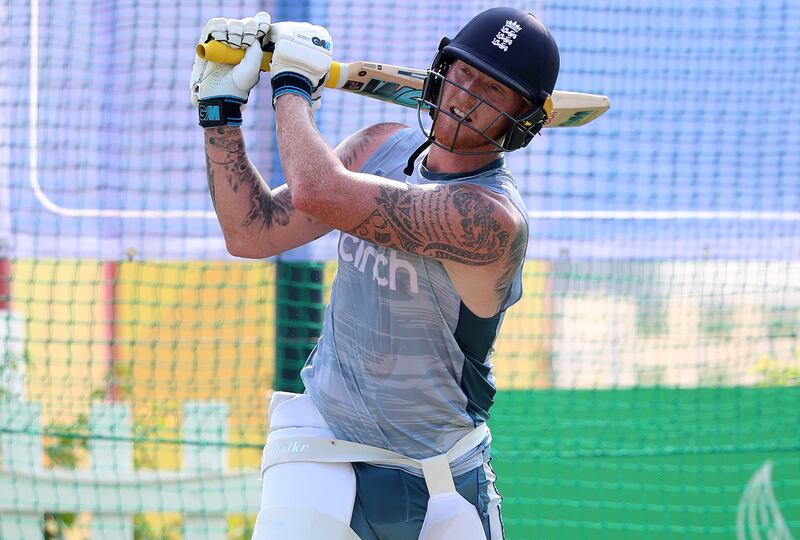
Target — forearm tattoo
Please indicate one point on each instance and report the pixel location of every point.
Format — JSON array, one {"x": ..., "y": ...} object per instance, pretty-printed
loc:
[
  {"x": 455, "y": 223},
  {"x": 210, "y": 179},
  {"x": 266, "y": 209}
]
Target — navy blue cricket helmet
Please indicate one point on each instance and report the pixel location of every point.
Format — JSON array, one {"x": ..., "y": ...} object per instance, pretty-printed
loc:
[{"x": 514, "y": 48}]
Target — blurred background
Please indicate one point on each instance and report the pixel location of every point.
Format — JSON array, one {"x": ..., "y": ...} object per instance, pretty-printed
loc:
[{"x": 649, "y": 380}]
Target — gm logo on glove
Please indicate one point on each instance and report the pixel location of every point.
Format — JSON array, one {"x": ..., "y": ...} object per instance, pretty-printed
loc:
[
  {"x": 209, "y": 113},
  {"x": 321, "y": 43}
]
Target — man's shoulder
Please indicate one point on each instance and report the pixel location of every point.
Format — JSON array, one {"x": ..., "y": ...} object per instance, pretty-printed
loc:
[
  {"x": 499, "y": 181},
  {"x": 384, "y": 130},
  {"x": 493, "y": 200},
  {"x": 355, "y": 150}
]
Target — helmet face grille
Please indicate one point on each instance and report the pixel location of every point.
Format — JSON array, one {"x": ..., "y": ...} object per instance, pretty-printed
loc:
[
  {"x": 514, "y": 48},
  {"x": 519, "y": 133}
]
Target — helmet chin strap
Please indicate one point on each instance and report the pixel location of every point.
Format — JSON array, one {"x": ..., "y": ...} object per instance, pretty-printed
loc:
[{"x": 413, "y": 157}]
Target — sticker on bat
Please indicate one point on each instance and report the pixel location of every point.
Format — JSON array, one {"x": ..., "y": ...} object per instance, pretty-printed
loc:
[
  {"x": 413, "y": 74},
  {"x": 390, "y": 91},
  {"x": 353, "y": 86},
  {"x": 577, "y": 118}
]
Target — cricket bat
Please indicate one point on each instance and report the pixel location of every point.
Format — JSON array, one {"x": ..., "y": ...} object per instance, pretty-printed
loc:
[{"x": 403, "y": 86}]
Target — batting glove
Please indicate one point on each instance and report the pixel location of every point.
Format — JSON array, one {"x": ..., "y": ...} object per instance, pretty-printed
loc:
[
  {"x": 301, "y": 60},
  {"x": 220, "y": 91}
]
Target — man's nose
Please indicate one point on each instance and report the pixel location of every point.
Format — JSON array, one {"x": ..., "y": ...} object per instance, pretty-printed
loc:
[{"x": 467, "y": 95}]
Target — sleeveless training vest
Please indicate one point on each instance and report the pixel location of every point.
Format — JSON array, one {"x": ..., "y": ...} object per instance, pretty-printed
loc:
[{"x": 401, "y": 363}]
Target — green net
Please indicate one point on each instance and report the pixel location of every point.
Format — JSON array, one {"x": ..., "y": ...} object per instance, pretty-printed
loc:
[{"x": 648, "y": 380}]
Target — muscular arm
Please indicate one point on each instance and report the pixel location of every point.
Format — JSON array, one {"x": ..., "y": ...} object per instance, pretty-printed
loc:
[
  {"x": 258, "y": 222},
  {"x": 478, "y": 236}
]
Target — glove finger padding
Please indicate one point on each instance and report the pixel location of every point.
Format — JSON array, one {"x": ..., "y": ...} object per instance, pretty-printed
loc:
[
  {"x": 249, "y": 31},
  {"x": 235, "y": 33},
  {"x": 216, "y": 28},
  {"x": 263, "y": 19},
  {"x": 256, "y": 29}
]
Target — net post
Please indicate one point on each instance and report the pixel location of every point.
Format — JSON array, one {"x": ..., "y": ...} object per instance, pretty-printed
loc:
[
  {"x": 13, "y": 363},
  {"x": 5, "y": 283},
  {"x": 108, "y": 304}
]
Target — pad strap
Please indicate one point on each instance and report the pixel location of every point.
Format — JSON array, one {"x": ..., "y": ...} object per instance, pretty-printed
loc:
[
  {"x": 292, "y": 446},
  {"x": 438, "y": 477}
]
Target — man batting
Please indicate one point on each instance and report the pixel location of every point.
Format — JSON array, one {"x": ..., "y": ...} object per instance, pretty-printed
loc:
[{"x": 389, "y": 440}]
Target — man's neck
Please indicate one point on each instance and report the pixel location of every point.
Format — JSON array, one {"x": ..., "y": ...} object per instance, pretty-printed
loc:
[{"x": 440, "y": 160}]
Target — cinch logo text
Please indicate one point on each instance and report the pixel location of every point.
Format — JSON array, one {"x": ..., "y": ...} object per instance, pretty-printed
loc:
[{"x": 362, "y": 254}]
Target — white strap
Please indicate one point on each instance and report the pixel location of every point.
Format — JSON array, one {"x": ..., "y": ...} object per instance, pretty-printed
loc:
[
  {"x": 438, "y": 477},
  {"x": 288, "y": 448},
  {"x": 468, "y": 442},
  {"x": 292, "y": 445}
]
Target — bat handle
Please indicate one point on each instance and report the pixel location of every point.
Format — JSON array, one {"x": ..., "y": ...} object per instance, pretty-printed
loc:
[{"x": 216, "y": 51}]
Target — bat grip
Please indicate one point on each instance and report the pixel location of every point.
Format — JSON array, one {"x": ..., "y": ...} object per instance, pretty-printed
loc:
[{"x": 216, "y": 51}]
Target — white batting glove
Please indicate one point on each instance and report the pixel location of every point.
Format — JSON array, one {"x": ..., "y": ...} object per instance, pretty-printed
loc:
[
  {"x": 236, "y": 33},
  {"x": 301, "y": 60},
  {"x": 220, "y": 91}
]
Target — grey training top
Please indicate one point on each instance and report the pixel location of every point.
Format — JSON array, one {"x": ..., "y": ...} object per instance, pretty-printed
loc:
[{"x": 402, "y": 363}]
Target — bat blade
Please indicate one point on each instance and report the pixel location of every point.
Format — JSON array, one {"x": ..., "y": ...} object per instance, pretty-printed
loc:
[
  {"x": 403, "y": 85},
  {"x": 573, "y": 109}
]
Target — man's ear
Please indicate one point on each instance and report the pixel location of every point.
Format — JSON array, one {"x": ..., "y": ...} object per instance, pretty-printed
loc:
[{"x": 524, "y": 109}]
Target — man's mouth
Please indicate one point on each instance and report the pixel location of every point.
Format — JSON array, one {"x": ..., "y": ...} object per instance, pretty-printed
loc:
[{"x": 458, "y": 113}]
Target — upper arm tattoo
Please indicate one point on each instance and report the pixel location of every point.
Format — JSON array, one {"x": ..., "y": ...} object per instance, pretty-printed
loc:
[
  {"x": 451, "y": 222},
  {"x": 516, "y": 254},
  {"x": 354, "y": 149},
  {"x": 266, "y": 209}
]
